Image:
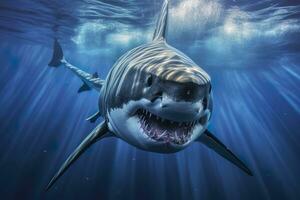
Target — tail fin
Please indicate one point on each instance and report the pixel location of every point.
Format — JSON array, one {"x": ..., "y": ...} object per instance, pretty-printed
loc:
[{"x": 57, "y": 56}]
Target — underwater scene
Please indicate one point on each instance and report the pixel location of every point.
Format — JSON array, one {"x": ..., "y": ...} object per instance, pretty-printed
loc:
[{"x": 149, "y": 99}]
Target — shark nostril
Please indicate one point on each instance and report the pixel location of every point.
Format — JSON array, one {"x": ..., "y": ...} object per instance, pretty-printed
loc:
[
  {"x": 159, "y": 94},
  {"x": 154, "y": 98},
  {"x": 156, "y": 95}
]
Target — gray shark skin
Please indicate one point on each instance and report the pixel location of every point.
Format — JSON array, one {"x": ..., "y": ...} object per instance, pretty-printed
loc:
[{"x": 154, "y": 98}]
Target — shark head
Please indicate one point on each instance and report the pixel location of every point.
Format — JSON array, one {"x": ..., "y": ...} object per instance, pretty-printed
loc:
[{"x": 157, "y": 98}]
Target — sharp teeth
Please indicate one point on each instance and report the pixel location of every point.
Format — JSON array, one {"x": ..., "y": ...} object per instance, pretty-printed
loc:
[
  {"x": 176, "y": 136},
  {"x": 151, "y": 134},
  {"x": 162, "y": 134}
]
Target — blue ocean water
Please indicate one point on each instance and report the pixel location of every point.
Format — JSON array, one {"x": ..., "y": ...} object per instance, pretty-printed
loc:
[{"x": 250, "y": 49}]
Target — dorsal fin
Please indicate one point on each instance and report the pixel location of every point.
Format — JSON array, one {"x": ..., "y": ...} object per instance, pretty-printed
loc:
[{"x": 162, "y": 22}]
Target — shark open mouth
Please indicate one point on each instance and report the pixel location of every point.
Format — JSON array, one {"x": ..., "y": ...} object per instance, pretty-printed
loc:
[{"x": 164, "y": 130}]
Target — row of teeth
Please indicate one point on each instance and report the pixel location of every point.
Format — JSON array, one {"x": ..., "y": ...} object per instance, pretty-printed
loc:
[
  {"x": 175, "y": 139},
  {"x": 153, "y": 134},
  {"x": 165, "y": 135},
  {"x": 148, "y": 114}
]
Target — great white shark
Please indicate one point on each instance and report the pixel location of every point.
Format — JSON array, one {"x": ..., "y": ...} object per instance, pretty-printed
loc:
[{"x": 154, "y": 97}]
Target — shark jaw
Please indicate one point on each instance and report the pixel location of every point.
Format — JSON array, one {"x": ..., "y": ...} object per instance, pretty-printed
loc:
[
  {"x": 139, "y": 124},
  {"x": 160, "y": 129}
]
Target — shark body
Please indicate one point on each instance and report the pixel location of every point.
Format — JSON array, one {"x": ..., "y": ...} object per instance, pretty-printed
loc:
[{"x": 154, "y": 97}]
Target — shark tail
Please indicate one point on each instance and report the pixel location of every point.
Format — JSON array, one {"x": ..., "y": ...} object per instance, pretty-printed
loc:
[
  {"x": 57, "y": 56},
  {"x": 90, "y": 81}
]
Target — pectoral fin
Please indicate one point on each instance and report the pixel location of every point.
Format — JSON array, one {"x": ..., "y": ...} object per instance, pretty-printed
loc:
[
  {"x": 98, "y": 133},
  {"x": 215, "y": 144}
]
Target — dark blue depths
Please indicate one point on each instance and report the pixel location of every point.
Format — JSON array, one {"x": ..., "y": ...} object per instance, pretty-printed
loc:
[{"x": 250, "y": 50}]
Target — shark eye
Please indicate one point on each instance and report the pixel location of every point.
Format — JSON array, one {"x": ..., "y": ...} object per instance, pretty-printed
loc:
[{"x": 149, "y": 80}]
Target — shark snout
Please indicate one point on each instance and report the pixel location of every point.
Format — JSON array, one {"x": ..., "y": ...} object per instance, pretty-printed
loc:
[
  {"x": 181, "y": 110},
  {"x": 178, "y": 91},
  {"x": 177, "y": 101},
  {"x": 184, "y": 111}
]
